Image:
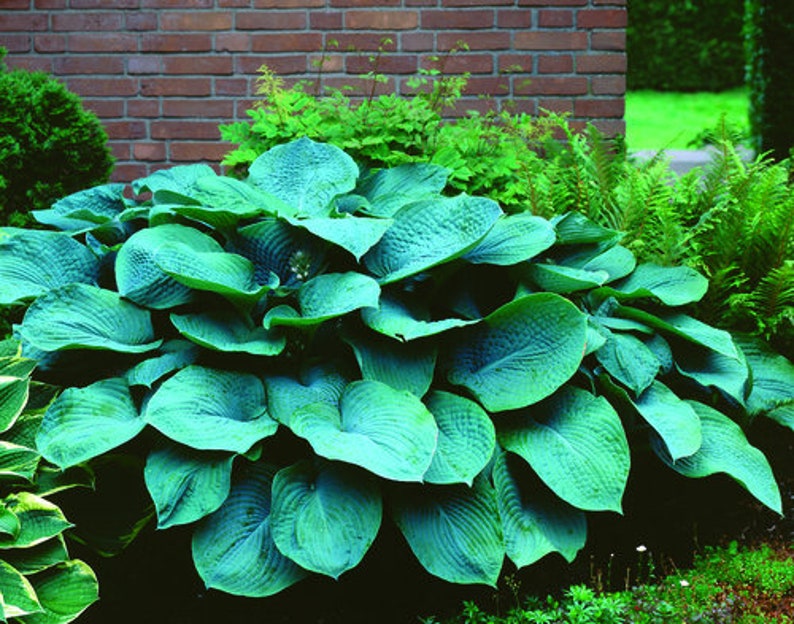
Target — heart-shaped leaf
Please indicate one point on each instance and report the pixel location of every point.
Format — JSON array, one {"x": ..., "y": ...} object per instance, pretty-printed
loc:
[
  {"x": 173, "y": 355},
  {"x": 513, "y": 239},
  {"x": 180, "y": 179},
  {"x": 233, "y": 548},
  {"x": 711, "y": 369},
  {"x": 228, "y": 331},
  {"x": 563, "y": 279},
  {"x": 39, "y": 520},
  {"x": 318, "y": 384},
  {"x": 65, "y": 591},
  {"x": 575, "y": 442},
  {"x": 673, "y": 419},
  {"x": 86, "y": 209},
  {"x": 521, "y": 353},
  {"x": 629, "y": 361},
  {"x": 390, "y": 189},
  {"x": 83, "y": 423},
  {"x": 673, "y": 286},
  {"x": 17, "y": 462},
  {"x": 772, "y": 391},
  {"x": 355, "y": 234},
  {"x": 387, "y": 431},
  {"x": 325, "y": 517},
  {"x": 399, "y": 320},
  {"x": 19, "y": 598},
  {"x": 210, "y": 409}
]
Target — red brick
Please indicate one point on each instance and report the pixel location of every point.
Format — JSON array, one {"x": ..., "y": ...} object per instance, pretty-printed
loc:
[
  {"x": 232, "y": 42},
  {"x": 463, "y": 63},
  {"x": 521, "y": 105},
  {"x": 601, "y": 63},
  {"x": 99, "y": 87},
  {"x": 547, "y": 3},
  {"x": 513, "y": 18},
  {"x": 487, "y": 85},
  {"x": 325, "y": 20},
  {"x": 103, "y": 4},
  {"x": 88, "y": 65},
  {"x": 365, "y": 3},
  {"x": 367, "y": 42},
  {"x": 326, "y": 63},
  {"x": 511, "y": 63},
  {"x": 207, "y": 109},
  {"x": 145, "y": 64},
  {"x": 608, "y": 40},
  {"x": 18, "y": 43},
  {"x": 387, "y": 64},
  {"x": 358, "y": 86},
  {"x": 548, "y": 85},
  {"x": 549, "y": 40},
  {"x": 209, "y": 20},
  {"x": 188, "y": 42},
  {"x": 127, "y": 172},
  {"x": 23, "y": 22},
  {"x": 556, "y": 105},
  {"x": 381, "y": 20},
  {"x": 489, "y": 40},
  {"x": 102, "y": 42},
  {"x": 203, "y": 65},
  {"x": 16, "y": 4},
  {"x": 416, "y": 41},
  {"x": 611, "y": 127},
  {"x": 87, "y": 21},
  {"x": 50, "y": 4},
  {"x": 32, "y": 64},
  {"x": 475, "y": 3},
  {"x": 281, "y": 65},
  {"x": 288, "y": 4},
  {"x": 271, "y": 20},
  {"x": 234, "y": 4},
  {"x": 184, "y": 130},
  {"x": 601, "y": 18},
  {"x": 608, "y": 85},
  {"x": 144, "y": 108},
  {"x": 178, "y": 4},
  {"x": 442, "y": 20},
  {"x": 199, "y": 151},
  {"x": 149, "y": 151},
  {"x": 420, "y": 3},
  {"x": 140, "y": 21},
  {"x": 235, "y": 87},
  {"x": 49, "y": 43},
  {"x": 196, "y": 87},
  {"x": 120, "y": 150},
  {"x": 555, "y": 64},
  {"x": 290, "y": 42},
  {"x": 559, "y": 18},
  {"x": 125, "y": 129},
  {"x": 613, "y": 2},
  {"x": 599, "y": 108}
]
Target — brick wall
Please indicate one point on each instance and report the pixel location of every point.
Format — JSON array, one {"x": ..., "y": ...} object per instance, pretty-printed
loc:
[{"x": 162, "y": 74}]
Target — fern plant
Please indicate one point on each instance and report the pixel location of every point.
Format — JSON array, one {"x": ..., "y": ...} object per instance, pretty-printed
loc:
[{"x": 303, "y": 353}]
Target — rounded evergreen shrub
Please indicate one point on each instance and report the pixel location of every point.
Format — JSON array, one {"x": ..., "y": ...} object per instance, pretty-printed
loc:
[{"x": 50, "y": 146}]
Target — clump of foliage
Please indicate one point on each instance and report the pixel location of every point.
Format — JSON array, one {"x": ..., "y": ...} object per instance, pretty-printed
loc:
[
  {"x": 39, "y": 582},
  {"x": 50, "y": 146},
  {"x": 301, "y": 353}
]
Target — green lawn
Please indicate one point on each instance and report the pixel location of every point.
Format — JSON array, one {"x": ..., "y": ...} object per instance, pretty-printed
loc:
[{"x": 657, "y": 120}]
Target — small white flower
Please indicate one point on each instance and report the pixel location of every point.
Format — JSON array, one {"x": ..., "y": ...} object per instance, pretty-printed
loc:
[
  {"x": 683, "y": 583},
  {"x": 641, "y": 548}
]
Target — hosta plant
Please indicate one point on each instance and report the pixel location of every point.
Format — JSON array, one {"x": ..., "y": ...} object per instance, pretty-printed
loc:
[
  {"x": 310, "y": 352},
  {"x": 39, "y": 582}
]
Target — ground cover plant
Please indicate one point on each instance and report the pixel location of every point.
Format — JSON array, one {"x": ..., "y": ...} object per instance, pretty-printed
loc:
[{"x": 304, "y": 355}]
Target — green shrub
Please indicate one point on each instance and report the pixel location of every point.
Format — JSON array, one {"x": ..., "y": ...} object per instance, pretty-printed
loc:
[
  {"x": 38, "y": 580},
  {"x": 49, "y": 145},
  {"x": 695, "y": 45},
  {"x": 300, "y": 353}
]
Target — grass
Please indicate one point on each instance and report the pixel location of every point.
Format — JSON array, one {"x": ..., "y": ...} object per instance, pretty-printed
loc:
[{"x": 661, "y": 120}]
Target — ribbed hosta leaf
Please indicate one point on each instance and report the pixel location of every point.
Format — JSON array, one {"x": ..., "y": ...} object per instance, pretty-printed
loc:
[
  {"x": 13, "y": 398},
  {"x": 305, "y": 175},
  {"x": 513, "y": 239},
  {"x": 466, "y": 439},
  {"x": 9, "y": 523},
  {"x": 39, "y": 557},
  {"x": 563, "y": 279},
  {"x": 402, "y": 365},
  {"x": 387, "y": 431},
  {"x": 138, "y": 276},
  {"x": 179, "y": 179},
  {"x": 629, "y": 361},
  {"x": 34, "y": 262},
  {"x": 84, "y": 209},
  {"x": 726, "y": 449},
  {"x": 615, "y": 262},
  {"x": 535, "y": 522},
  {"x": 39, "y": 520},
  {"x": 186, "y": 485},
  {"x": 453, "y": 531},
  {"x": 673, "y": 419},
  {"x": 65, "y": 591},
  {"x": 431, "y": 232},
  {"x": 773, "y": 381},
  {"x": 397, "y": 319},
  {"x": 573, "y": 228},
  {"x": 575, "y": 442},
  {"x": 173, "y": 355},
  {"x": 228, "y": 331},
  {"x": 673, "y": 286},
  {"x": 233, "y": 549},
  {"x": 83, "y": 423},
  {"x": 319, "y": 384},
  {"x": 355, "y": 234},
  {"x": 79, "y": 316},
  {"x": 18, "y": 597},
  {"x": 17, "y": 462},
  {"x": 211, "y": 409},
  {"x": 521, "y": 353},
  {"x": 325, "y": 297},
  {"x": 711, "y": 369},
  {"x": 325, "y": 517},
  {"x": 390, "y": 189}
]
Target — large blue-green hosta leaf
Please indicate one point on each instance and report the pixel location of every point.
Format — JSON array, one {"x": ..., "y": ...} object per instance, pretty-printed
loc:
[
  {"x": 355, "y": 234},
  {"x": 138, "y": 276},
  {"x": 39, "y": 521},
  {"x": 575, "y": 442},
  {"x": 534, "y": 520},
  {"x": 186, "y": 485},
  {"x": 387, "y": 431},
  {"x": 79, "y": 316},
  {"x": 34, "y": 262},
  {"x": 673, "y": 286},
  {"x": 711, "y": 369},
  {"x": 319, "y": 384},
  {"x": 615, "y": 262},
  {"x": 521, "y": 353},
  {"x": 304, "y": 175},
  {"x": 399, "y": 320},
  {"x": 431, "y": 232},
  {"x": 466, "y": 439},
  {"x": 559, "y": 278},
  {"x": 453, "y": 531},
  {"x": 233, "y": 549},
  {"x": 513, "y": 239},
  {"x": 726, "y": 449},
  {"x": 210, "y": 409},
  {"x": 325, "y": 516},
  {"x": 172, "y": 356},
  {"x": 673, "y": 419},
  {"x": 85, "y": 209},
  {"x": 228, "y": 331},
  {"x": 628, "y": 361},
  {"x": 388, "y": 190},
  {"x": 83, "y": 423},
  {"x": 180, "y": 179},
  {"x": 65, "y": 591},
  {"x": 573, "y": 228},
  {"x": 772, "y": 391}
]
